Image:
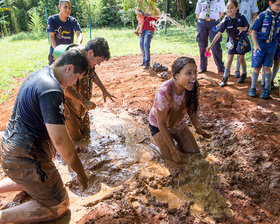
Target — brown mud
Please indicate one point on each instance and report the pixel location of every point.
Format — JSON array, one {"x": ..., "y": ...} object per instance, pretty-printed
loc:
[{"x": 235, "y": 178}]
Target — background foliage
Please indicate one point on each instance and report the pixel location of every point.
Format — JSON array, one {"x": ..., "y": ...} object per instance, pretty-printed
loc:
[{"x": 19, "y": 15}]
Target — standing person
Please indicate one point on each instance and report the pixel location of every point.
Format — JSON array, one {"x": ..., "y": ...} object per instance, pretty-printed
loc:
[
  {"x": 61, "y": 28},
  {"x": 147, "y": 35},
  {"x": 265, "y": 35},
  {"x": 37, "y": 124},
  {"x": 78, "y": 96},
  {"x": 174, "y": 99},
  {"x": 140, "y": 17},
  {"x": 248, "y": 8},
  {"x": 236, "y": 26},
  {"x": 209, "y": 13}
]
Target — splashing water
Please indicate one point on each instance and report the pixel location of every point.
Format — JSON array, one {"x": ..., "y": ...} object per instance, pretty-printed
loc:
[{"x": 163, "y": 19}]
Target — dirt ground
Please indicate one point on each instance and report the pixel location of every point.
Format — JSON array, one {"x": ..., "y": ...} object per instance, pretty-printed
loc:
[{"x": 236, "y": 178}]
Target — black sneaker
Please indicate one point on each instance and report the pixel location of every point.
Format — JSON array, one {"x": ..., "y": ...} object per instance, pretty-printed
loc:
[
  {"x": 223, "y": 82},
  {"x": 242, "y": 78},
  {"x": 142, "y": 64},
  {"x": 146, "y": 67}
]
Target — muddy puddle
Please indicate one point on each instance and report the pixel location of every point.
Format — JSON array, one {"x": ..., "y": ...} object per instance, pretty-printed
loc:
[{"x": 120, "y": 155}]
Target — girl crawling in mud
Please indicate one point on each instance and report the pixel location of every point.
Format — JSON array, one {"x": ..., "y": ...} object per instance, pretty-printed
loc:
[{"x": 174, "y": 99}]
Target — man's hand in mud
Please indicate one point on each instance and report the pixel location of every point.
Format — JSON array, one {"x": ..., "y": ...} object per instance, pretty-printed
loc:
[
  {"x": 177, "y": 156},
  {"x": 89, "y": 105},
  {"x": 205, "y": 134},
  {"x": 83, "y": 179},
  {"x": 107, "y": 94}
]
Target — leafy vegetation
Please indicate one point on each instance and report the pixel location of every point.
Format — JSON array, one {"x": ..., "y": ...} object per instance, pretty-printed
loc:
[{"x": 104, "y": 13}]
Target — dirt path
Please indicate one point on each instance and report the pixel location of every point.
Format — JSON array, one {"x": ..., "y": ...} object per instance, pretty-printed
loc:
[{"x": 236, "y": 178}]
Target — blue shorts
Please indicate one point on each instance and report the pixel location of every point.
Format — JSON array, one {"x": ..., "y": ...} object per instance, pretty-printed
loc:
[{"x": 266, "y": 59}]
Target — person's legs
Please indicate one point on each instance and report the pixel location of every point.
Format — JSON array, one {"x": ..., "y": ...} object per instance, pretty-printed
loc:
[
  {"x": 42, "y": 182},
  {"x": 147, "y": 45},
  {"x": 186, "y": 140},
  {"x": 237, "y": 69},
  {"x": 202, "y": 39},
  {"x": 72, "y": 122},
  {"x": 267, "y": 75},
  {"x": 244, "y": 69},
  {"x": 275, "y": 70},
  {"x": 269, "y": 54},
  {"x": 7, "y": 185},
  {"x": 255, "y": 75},
  {"x": 33, "y": 211},
  {"x": 257, "y": 62},
  {"x": 142, "y": 38},
  {"x": 227, "y": 70},
  {"x": 85, "y": 125},
  {"x": 217, "y": 51},
  {"x": 164, "y": 149}
]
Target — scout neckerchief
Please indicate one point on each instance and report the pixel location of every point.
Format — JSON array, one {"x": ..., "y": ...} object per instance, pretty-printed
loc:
[
  {"x": 208, "y": 8},
  {"x": 273, "y": 15}
]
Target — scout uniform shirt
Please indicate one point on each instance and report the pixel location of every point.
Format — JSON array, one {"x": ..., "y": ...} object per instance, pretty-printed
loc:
[
  {"x": 247, "y": 8},
  {"x": 209, "y": 9},
  {"x": 263, "y": 24}
]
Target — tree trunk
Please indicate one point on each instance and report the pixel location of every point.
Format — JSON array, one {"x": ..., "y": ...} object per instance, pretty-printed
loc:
[{"x": 180, "y": 7}]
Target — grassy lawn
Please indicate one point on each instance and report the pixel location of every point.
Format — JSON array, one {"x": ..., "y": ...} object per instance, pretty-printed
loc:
[{"x": 24, "y": 53}]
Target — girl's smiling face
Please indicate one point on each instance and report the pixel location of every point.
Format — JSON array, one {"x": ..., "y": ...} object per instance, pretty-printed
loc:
[
  {"x": 187, "y": 76},
  {"x": 231, "y": 9}
]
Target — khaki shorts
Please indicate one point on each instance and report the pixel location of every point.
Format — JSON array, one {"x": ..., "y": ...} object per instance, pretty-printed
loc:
[{"x": 40, "y": 179}]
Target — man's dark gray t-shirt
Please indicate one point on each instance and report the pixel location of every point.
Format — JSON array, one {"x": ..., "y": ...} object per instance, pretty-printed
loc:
[{"x": 40, "y": 100}]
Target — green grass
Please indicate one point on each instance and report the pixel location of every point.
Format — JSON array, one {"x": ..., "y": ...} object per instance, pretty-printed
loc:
[{"x": 24, "y": 53}]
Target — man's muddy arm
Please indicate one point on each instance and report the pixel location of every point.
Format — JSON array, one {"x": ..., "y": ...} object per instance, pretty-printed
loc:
[
  {"x": 197, "y": 126},
  {"x": 98, "y": 82},
  {"x": 78, "y": 98},
  {"x": 66, "y": 149}
]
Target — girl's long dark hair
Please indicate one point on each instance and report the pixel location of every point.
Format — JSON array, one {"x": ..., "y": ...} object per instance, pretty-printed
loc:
[{"x": 192, "y": 96}]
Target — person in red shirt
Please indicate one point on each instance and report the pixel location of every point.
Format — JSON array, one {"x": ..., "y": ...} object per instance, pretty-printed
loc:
[{"x": 147, "y": 35}]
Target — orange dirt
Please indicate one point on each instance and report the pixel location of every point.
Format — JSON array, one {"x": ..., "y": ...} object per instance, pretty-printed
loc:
[{"x": 245, "y": 138}]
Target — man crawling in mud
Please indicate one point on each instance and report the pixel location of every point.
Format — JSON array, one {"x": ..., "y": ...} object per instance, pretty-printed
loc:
[
  {"x": 37, "y": 124},
  {"x": 174, "y": 99},
  {"x": 78, "y": 96}
]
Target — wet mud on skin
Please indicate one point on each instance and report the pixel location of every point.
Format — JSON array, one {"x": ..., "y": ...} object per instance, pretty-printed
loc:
[{"x": 235, "y": 178}]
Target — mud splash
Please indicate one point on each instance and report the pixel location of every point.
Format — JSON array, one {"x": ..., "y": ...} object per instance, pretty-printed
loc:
[{"x": 118, "y": 154}]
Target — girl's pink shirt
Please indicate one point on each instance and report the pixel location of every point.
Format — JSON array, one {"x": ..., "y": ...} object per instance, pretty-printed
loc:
[{"x": 167, "y": 100}]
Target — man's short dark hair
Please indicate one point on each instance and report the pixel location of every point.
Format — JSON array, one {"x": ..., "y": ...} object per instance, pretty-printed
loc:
[
  {"x": 99, "y": 46},
  {"x": 74, "y": 57},
  {"x": 61, "y": 1}
]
